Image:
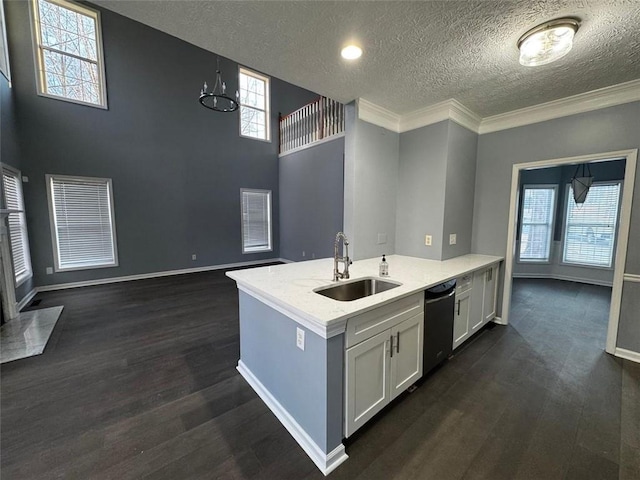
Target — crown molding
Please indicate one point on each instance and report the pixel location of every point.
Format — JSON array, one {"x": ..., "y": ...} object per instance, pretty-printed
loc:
[
  {"x": 372, "y": 113},
  {"x": 448, "y": 110},
  {"x": 584, "y": 102},
  {"x": 453, "y": 110}
]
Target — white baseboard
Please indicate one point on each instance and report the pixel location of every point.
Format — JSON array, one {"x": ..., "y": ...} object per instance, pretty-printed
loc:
[
  {"x": 326, "y": 462},
  {"x": 499, "y": 321},
  {"x": 627, "y": 354},
  {"x": 144, "y": 276},
  {"x": 568, "y": 278},
  {"x": 26, "y": 299}
]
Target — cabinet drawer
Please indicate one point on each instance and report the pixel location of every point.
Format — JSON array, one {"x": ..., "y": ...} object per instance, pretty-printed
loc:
[
  {"x": 464, "y": 283},
  {"x": 368, "y": 324}
]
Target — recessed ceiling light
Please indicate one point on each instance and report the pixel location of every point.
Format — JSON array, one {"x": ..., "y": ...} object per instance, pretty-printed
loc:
[
  {"x": 548, "y": 42},
  {"x": 351, "y": 52}
]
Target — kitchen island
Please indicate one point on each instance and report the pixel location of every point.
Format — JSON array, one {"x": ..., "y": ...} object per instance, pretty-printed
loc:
[{"x": 293, "y": 340}]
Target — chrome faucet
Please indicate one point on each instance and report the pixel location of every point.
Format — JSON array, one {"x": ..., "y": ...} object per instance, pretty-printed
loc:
[{"x": 337, "y": 275}]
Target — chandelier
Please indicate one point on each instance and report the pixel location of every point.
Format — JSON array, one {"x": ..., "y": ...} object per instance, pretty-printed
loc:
[
  {"x": 217, "y": 99},
  {"x": 581, "y": 183}
]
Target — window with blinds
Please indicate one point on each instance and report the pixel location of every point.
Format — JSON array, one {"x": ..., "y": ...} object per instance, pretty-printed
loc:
[
  {"x": 538, "y": 208},
  {"x": 12, "y": 183},
  {"x": 590, "y": 228},
  {"x": 82, "y": 223},
  {"x": 256, "y": 220}
]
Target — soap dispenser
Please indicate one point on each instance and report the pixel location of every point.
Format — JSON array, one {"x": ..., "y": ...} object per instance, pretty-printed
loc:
[{"x": 384, "y": 267}]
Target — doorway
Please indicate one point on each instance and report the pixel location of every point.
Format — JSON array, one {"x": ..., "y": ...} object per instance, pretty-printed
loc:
[{"x": 620, "y": 247}]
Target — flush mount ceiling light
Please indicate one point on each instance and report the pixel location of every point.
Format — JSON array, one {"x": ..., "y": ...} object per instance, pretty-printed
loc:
[
  {"x": 217, "y": 99},
  {"x": 351, "y": 52},
  {"x": 548, "y": 42}
]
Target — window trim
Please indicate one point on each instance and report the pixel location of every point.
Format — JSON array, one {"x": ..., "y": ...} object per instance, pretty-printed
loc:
[
  {"x": 5, "y": 45},
  {"x": 611, "y": 266},
  {"x": 267, "y": 101},
  {"x": 34, "y": 16},
  {"x": 52, "y": 222},
  {"x": 270, "y": 205},
  {"x": 27, "y": 251},
  {"x": 548, "y": 261}
]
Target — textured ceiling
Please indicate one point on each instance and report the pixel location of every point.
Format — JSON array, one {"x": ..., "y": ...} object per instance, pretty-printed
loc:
[{"x": 415, "y": 53}]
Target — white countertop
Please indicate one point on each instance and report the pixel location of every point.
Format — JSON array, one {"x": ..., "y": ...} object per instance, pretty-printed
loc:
[{"x": 289, "y": 287}]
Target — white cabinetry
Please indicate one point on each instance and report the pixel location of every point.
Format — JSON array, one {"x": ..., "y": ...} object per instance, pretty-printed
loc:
[
  {"x": 475, "y": 303},
  {"x": 383, "y": 358}
]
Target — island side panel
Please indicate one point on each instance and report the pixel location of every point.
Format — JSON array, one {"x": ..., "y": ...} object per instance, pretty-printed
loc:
[{"x": 309, "y": 383}]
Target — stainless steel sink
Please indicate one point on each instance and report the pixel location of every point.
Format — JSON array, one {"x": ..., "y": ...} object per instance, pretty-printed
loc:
[{"x": 355, "y": 289}]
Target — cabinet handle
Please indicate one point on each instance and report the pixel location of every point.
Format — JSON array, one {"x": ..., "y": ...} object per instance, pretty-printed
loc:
[
  {"x": 391, "y": 346},
  {"x": 458, "y": 307},
  {"x": 398, "y": 343}
]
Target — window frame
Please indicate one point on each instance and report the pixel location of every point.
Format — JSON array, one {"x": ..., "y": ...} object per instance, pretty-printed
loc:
[
  {"x": 548, "y": 260},
  {"x": 269, "y": 194},
  {"x": 267, "y": 102},
  {"x": 53, "y": 224},
  {"x": 4, "y": 51},
  {"x": 34, "y": 13},
  {"x": 24, "y": 232},
  {"x": 565, "y": 212}
]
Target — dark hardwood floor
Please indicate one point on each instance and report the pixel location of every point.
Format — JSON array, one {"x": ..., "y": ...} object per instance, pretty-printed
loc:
[{"x": 139, "y": 381}]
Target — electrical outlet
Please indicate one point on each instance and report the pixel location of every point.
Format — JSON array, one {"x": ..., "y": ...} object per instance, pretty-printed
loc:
[
  {"x": 452, "y": 239},
  {"x": 304, "y": 254},
  {"x": 427, "y": 240},
  {"x": 49, "y": 270},
  {"x": 25, "y": 179},
  {"x": 382, "y": 238},
  {"x": 193, "y": 257},
  {"x": 300, "y": 338}
]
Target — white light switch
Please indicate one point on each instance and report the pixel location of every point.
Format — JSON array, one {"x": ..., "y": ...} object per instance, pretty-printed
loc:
[
  {"x": 25, "y": 179},
  {"x": 49, "y": 270},
  {"x": 194, "y": 256},
  {"x": 427, "y": 240},
  {"x": 452, "y": 239},
  {"x": 300, "y": 338},
  {"x": 382, "y": 238}
]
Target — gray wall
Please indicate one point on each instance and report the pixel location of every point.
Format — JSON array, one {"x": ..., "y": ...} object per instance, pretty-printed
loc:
[
  {"x": 629, "y": 327},
  {"x": 421, "y": 191},
  {"x": 311, "y": 200},
  {"x": 177, "y": 168},
  {"x": 614, "y": 128},
  {"x": 436, "y": 181},
  {"x": 371, "y": 180},
  {"x": 461, "y": 180},
  {"x": 561, "y": 176},
  {"x": 309, "y": 383}
]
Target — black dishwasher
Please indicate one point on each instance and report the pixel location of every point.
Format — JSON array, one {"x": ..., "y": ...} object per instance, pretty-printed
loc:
[{"x": 439, "y": 310}]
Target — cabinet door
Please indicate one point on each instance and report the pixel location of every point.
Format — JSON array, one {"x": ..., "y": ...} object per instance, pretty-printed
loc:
[
  {"x": 406, "y": 354},
  {"x": 367, "y": 380},
  {"x": 490, "y": 291},
  {"x": 461, "y": 320},
  {"x": 476, "y": 314}
]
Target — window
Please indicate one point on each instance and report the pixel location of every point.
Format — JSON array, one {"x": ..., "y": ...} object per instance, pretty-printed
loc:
[
  {"x": 256, "y": 220},
  {"x": 590, "y": 228},
  {"x": 68, "y": 46},
  {"x": 4, "y": 47},
  {"x": 82, "y": 224},
  {"x": 538, "y": 208},
  {"x": 14, "y": 200},
  {"x": 254, "y": 105}
]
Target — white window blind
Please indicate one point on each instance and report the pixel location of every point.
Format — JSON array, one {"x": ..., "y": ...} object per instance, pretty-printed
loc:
[
  {"x": 538, "y": 207},
  {"x": 14, "y": 200},
  {"x": 590, "y": 228},
  {"x": 83, "y": 224},
  {"x": 254, "y": 104},
  {"x": 256, "y": 220}
]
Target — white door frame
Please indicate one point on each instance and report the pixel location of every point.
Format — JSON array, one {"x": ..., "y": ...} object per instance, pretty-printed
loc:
[{"x": 631, "y": 157}]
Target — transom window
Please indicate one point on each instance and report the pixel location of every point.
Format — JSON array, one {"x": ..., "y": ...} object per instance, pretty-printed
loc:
[
  {"x": 254, "y": 105},
  {"x": 68, "y": 45},
  {"x": 590, "y": 228},
  {"x": 538, "y": 209},
  {"x": 256, "y": 220},
  {"x": 18, "y": 239},
  {"x": 82, "y": 223}
]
